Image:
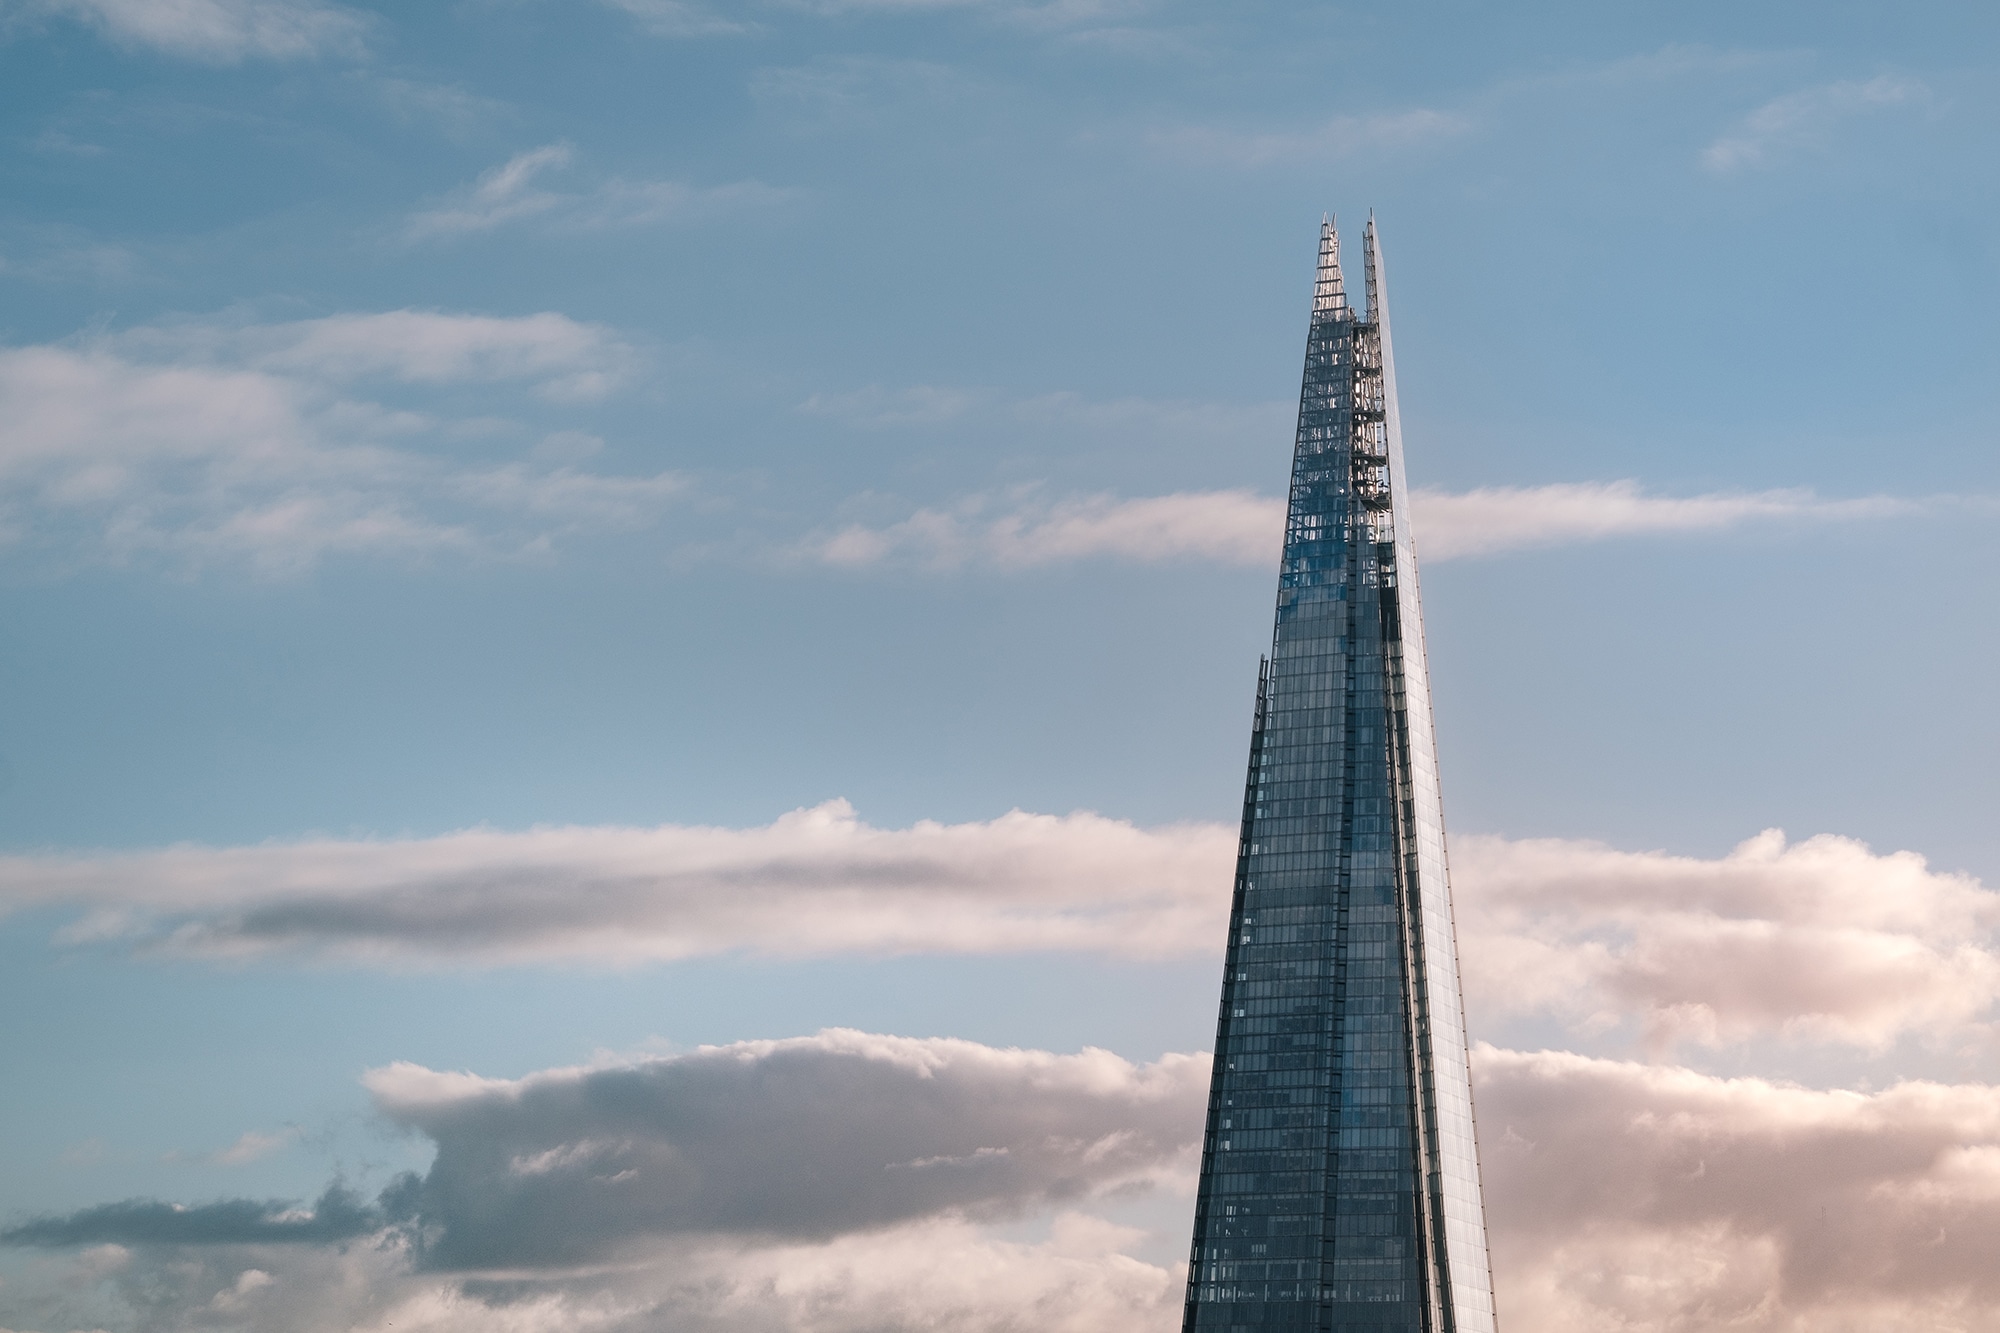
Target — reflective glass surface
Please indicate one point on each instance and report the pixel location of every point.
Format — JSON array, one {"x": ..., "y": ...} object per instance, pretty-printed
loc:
[{"x": 1340, "y": 1182}]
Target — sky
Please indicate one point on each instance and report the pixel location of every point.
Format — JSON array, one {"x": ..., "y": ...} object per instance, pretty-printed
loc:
[{"x": 628, "y": 629}]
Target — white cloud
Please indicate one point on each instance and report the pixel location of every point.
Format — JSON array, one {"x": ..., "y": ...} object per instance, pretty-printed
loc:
[
  {"x": 1803, "y": 120},
  {"x": 1818, "y": 941},
  {"x": 1493, "y": 519},
  {"x": 814, "y": 882},
  {"x": 1655, "y": 1198},
  {"x": 510, "y": 193},
  {"x": 207, "y": 440},
  {"x": 221, "y": 31},
  {"x": 1235, "y": 527},
  {"x": 1024, "y": 529}
]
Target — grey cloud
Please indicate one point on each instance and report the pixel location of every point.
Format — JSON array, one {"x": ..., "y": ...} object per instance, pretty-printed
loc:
[
  {"x": 338, "y": 1214},
  {"x": 806, "y": 1138}
]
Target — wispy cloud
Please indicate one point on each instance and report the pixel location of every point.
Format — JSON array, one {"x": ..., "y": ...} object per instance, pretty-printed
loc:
[
  {"x": 1332, "y": 140},
  {"x": 690, "y": 18},
  {"x": 223, "y": 32},
  {"x": 1233, "y": 527},
  {"x": 1493, "y": 519},
  {"x": 215, "y": 440},
  {"x": 250, "y": 1146},
  {"x": 1803, "y": 120},
  {"x": 1025, "y": 529},
  {"x": 450, "y": 108},
  {"x": 680, "y": 18},
  {"x": 511, "y": 193}
]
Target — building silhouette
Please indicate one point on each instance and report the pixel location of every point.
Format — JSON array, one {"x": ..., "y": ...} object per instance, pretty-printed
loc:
[{"x": 1339, "y": 1175}]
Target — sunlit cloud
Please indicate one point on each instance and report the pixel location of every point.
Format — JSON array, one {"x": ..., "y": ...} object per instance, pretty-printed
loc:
[
  {"x": 840, "y": 1181},
  {"x": 1624, "y": 1195},
  {"x": 1818, "y": 942},
  {"x": 813, "y": 883},
  {"x": 1821, "y": 942}
]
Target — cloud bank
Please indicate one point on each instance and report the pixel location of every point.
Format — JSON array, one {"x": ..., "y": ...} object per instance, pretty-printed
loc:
[
  {"x": 807, "y": 1138},
  {"x": 850, "y": 1181},
  {"x": 1823, "y": 941},
  {"x": 276, "y": 445},
  {"x": 1652, "y": 1197}
]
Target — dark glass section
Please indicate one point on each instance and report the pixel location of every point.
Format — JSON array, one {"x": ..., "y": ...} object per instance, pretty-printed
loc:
[{"x": 1329, "y": 1198}]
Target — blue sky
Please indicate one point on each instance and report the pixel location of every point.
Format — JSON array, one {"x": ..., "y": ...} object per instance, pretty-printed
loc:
[{"x": 471, "y": 476}]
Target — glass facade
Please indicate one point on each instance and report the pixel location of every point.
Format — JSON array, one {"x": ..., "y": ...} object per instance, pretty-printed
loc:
[{"x": 1340, "y": 1181}]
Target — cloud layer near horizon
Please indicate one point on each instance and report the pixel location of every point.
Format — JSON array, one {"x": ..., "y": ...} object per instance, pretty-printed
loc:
[
  {"x": 865, "y": 1174},
  {"x": 1823, "y": 941}
]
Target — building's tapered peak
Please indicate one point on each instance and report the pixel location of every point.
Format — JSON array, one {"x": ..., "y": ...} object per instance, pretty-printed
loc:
[
  {"x": 1329, "y": 292},
  {"x": 1370, "y": 271}
]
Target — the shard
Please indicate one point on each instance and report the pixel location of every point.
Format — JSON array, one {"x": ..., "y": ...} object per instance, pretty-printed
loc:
[{"x": 1339, "y": 1176}]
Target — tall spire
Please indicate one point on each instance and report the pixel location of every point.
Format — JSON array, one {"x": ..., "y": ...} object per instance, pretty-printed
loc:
[
  {"x": 1340, "y": 1178},
  {"x": 1329, "y": 292}
]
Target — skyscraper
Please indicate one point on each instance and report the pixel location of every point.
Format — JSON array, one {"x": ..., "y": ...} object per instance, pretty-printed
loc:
[{"x": 1339, "y": 1178}]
